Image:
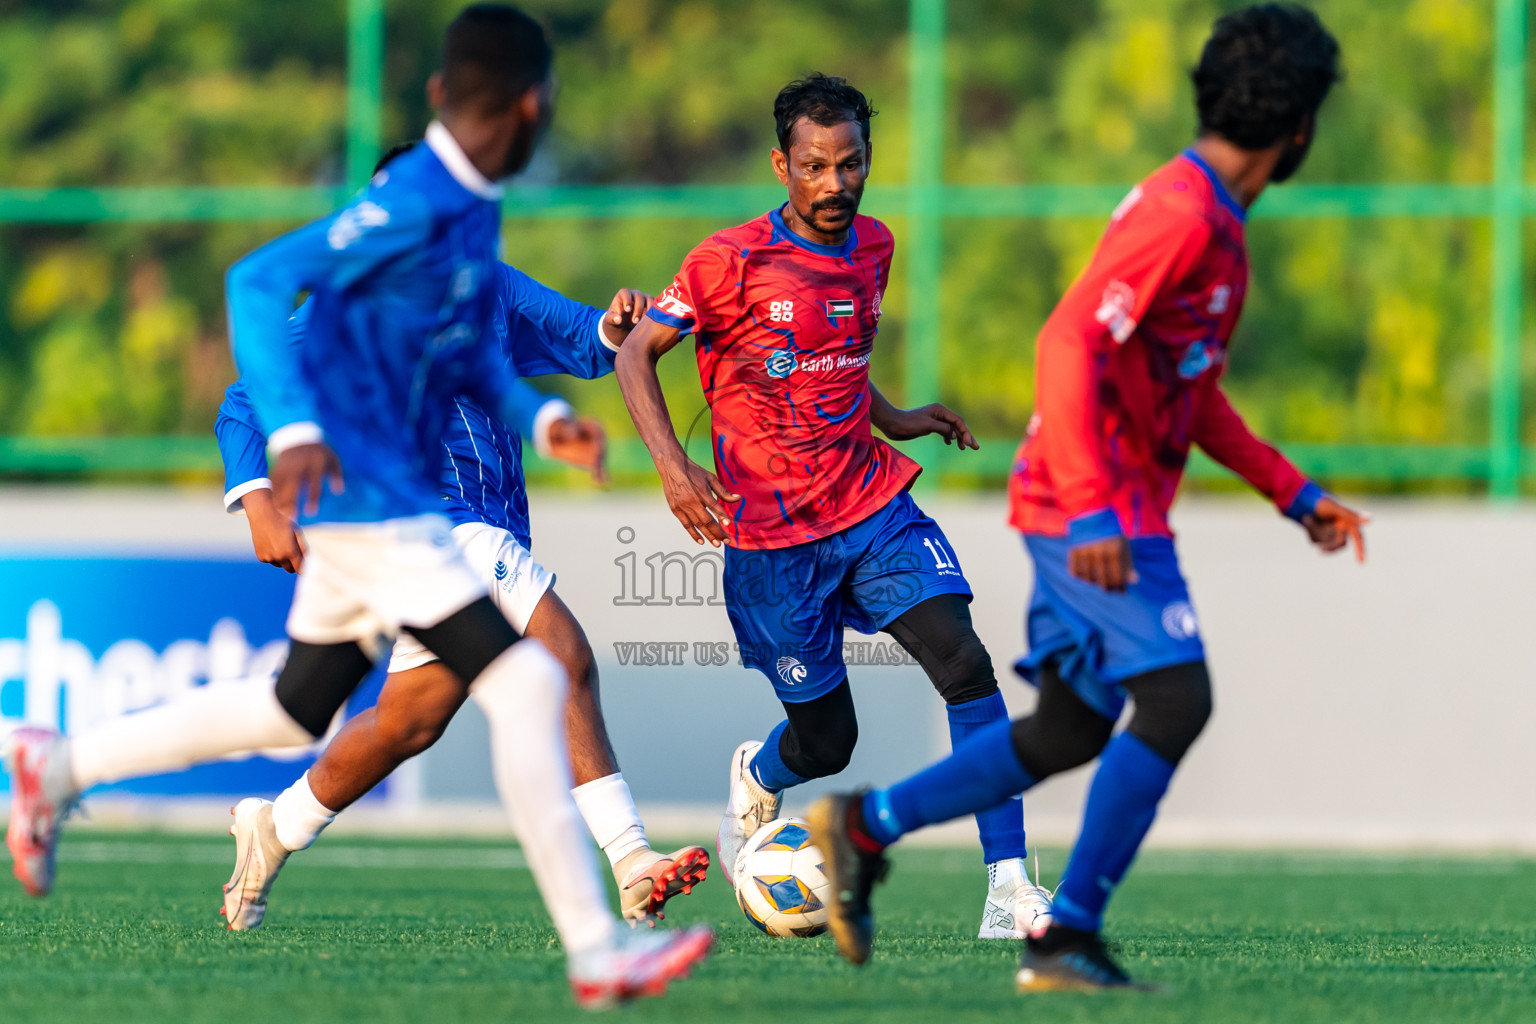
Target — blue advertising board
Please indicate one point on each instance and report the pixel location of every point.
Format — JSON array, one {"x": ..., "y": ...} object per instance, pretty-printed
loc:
[{"x": 86, "y": 639}]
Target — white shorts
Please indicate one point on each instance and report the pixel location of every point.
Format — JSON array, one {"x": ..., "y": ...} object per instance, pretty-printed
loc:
[
  {"x": 363, "y": 581},
  {"x": 516, "y": 583}
]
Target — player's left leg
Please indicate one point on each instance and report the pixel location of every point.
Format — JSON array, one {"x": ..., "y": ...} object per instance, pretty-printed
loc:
[
  {"x": 908, "y": 583},
  {"x": 938, "y": 633}
]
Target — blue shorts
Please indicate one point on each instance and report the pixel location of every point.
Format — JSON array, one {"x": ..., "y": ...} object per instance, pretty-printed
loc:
[
  {"x": 789, "y": 605},
  {"x": 1097, "y": 639}
]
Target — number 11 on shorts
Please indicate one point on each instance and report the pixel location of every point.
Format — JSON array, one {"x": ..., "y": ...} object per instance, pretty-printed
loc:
[{"x": 942, "y": 559}]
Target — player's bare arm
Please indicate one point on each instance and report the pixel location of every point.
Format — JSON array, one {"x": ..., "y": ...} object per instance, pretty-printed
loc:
[
  {"x": 272, "y": 533},
  {"x": 1333, "y": 525},
  {"x": 905, "y": 424},
  {"x": 1104, "y": 563},
  {"x": 300, "y": 472},
  {"x": 624, "y": 312},
  {"x": 693, "y": 493},
  {"x": 582, "y": 442}
]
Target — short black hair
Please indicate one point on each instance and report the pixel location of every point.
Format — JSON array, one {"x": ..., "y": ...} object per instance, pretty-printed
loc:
[
  {"x": 492, "y": 55},
  {"x": 1262, "y": 72},
  {"x": 393, "y": 151},
  {"x": 824, "y": 99}
]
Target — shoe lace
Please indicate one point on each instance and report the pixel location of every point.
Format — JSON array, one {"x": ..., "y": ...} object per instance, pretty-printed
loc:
[{"x": 1049, "y": 892}]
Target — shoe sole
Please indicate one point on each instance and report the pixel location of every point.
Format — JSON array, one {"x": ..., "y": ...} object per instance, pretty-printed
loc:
[
  {"x": 677, "y": 963},
  {"x": 17, "y": 838},
  {"x": 690, "y": 866},
  {"x": 851, "y": 945},
  {"x": 245, "y": 847},
  {"x": 1054, "y": 983}
]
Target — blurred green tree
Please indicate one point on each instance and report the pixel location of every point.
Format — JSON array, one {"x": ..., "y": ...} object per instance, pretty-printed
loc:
[{"x": 1356, "y": 331}]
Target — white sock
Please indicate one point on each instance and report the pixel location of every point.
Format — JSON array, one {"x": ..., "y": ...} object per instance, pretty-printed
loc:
[
  {"x": 204, "y": 724},
  {"x": 1001, "y": 872},
  {"x": 522, "y": 694},
  {"x": 611, "y": 817},
  {"x": 298, "y": 817}
]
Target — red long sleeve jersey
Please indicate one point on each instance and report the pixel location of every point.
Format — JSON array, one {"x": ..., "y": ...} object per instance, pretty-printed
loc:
[
  {"x": 783, "y": 330},
  {"x": 1128, "y": 367}
]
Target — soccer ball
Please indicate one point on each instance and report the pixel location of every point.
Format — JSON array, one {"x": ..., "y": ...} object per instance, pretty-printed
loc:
[{"x": 781, "y": 881}]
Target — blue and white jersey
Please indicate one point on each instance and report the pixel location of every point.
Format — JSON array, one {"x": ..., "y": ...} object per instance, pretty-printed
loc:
[
  {"x": 541, "y": 332},
  {"x": 402, "y": 285},
  {"x": 482, "y": 480}
]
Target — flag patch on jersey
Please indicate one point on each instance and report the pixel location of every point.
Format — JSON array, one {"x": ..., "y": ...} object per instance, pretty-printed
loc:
[{"x": 838, "y": 308}]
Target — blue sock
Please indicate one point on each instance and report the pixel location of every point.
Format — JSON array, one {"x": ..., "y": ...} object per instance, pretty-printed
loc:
[
  {"x": 1121, "y": 805},
  {"x": 1001, "y": 827},
  {"x": 769, "y": 769},
  {"x": 981, "y": 773}
]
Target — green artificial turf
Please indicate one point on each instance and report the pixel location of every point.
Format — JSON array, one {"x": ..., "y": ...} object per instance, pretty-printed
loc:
[{"x": 452, "y": 932}]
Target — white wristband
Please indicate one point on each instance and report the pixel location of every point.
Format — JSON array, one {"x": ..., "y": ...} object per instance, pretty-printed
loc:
[
  {"x": 549, "y": 413},
  {"x": 293, "y": 435}
]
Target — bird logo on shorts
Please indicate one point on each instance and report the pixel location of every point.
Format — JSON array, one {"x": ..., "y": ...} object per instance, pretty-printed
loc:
[
  {"x": 502, "y": 576},
  {"x": 791, "y": 670},
  {"x": 1179, "y": 621}
]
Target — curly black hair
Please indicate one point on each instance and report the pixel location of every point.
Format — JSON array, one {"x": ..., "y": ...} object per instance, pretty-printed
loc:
[
  {"x": 1262, "y": 72},
  {"x": 825, "y": 100}
]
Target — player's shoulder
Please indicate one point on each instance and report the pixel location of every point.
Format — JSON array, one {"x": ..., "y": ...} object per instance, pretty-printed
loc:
[
  {"x": 1173, "y": 202},
  {"x": 873, "y": 233},
  {"x": 1185, "y": 191},
  {"x": 725, "y": 247},
  {"x": 755, "y": 232}
]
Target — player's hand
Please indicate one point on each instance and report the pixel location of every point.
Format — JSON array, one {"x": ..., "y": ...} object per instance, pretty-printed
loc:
[
  {"x": 1332, "y": 526},
  {"x": 583, "y": 443},
  {"x": 1104, "y": 563},
  {"x": 624, "y": 312},
  {"x": 272, "y": 534},
  {"x": 695, "y": 494},
  {"x": 300, "y": 472},
  {"x": 930, "y": 419}
]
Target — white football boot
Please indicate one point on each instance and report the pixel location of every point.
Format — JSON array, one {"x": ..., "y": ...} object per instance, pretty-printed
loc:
[
  {"x": 258, "y": 858},
  {"x": 635, "y": 964},
  {"x": 1015, "y": 906},
  {"x": 750, "y": 808},
  {"x": 648, "y": 879},
  {"x": 42, "y": 795}
]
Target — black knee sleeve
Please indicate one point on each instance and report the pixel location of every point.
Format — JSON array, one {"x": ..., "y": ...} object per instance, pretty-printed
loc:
[
  {"x": 938, "y": 633},
  {"x": 316, "y": 681},
  {"x": 1172, "y": 705},
  {"x": 821, "y": 734},
  {"x": 1062, "y": 733},
  {"x": 469, "y": 639}
]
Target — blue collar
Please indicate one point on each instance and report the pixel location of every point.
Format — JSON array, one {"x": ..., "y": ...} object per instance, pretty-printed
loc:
[
  {"x": 781, "y": 230},
  {"x": 1222, "y": 195}
]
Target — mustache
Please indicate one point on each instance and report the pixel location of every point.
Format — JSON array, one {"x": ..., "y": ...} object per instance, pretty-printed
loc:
[{"x": 834, "y": 203}]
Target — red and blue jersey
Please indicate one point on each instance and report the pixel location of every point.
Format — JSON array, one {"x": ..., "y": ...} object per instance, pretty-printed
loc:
[
  {"x": 783, "y": 330},
  {"x": 1128, "y": 370}
]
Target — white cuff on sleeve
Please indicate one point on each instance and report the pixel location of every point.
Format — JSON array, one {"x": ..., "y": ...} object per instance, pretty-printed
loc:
[
  {"x": 293, "y": 435},
  {"x": 549, "y": 412},
  {"x": 602, "y": 335},
  {"x": 232, "y": 502}
]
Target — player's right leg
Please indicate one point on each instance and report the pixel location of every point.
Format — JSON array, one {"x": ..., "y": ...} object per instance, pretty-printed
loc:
[
  {"x": 522, "y": 689},
  {"x": 524, "y": 591},
  {"x": 787, "y": 613},
  {"x": 646, "y": 878}
]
